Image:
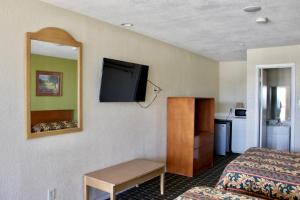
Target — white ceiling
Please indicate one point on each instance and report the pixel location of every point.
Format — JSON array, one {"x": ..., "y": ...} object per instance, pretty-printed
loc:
[
  {"x": 218, "y": 29},
  {"x": 53, "y": 50}
]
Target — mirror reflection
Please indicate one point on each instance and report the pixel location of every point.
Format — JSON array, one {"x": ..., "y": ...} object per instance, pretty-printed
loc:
[
  {"x": 278, "y": 84},
  {"x": 54, "y": 86}
]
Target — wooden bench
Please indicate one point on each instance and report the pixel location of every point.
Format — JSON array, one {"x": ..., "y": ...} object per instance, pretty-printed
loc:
[{"x": 122, "y": 176}]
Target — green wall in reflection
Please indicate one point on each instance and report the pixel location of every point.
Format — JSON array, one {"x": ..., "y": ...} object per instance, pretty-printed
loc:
[{"x": 68, "y": 67}]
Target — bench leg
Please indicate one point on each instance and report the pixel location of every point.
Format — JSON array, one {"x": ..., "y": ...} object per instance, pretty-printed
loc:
[
  {"x": 85, "y": 191},
  {"x": 162, "y": 183},
  {"x": 113, "y": 194}
]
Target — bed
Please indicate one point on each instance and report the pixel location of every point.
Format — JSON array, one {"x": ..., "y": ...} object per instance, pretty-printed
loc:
[
  {"x": 264, "y": 173},
  {"x": 47, "y": 120},
  {"x": 208, "y": 193}
]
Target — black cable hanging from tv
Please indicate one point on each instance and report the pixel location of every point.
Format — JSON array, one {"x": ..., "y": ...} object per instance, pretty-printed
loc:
[{"x": 157, "y": 90}]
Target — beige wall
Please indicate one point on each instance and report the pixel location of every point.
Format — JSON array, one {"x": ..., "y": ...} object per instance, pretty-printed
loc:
[
  {"x": 113, "y": 132},
  {"x": 232, "y": 84},
  {"x": 264, "y": 56}
]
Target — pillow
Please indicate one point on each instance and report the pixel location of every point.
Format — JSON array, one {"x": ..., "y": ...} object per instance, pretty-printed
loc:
[
  {"x": 41, "y": 127},
  {"x": 69, "y": 124},
  {"x": 56, "y": 125}
]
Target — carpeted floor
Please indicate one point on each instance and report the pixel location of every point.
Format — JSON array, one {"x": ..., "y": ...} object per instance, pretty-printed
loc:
[{"x": 175, "y": 184}]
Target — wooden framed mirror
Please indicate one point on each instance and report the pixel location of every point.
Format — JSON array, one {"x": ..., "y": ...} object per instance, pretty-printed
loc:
[{"x": 53, "y": 83}]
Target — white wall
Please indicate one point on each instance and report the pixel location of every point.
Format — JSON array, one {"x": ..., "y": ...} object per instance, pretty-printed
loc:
[
  {"x": 113, "y": 132},
  {"x": 232, "y": 84},
  {"x": 264, "y": 56}
]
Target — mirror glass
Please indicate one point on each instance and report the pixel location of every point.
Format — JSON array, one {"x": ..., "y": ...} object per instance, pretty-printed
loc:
[{"x": 53, "y": 91}]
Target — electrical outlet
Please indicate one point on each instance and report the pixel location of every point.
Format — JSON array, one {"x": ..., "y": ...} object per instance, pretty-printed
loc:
[{"x": 52, "y": 194}]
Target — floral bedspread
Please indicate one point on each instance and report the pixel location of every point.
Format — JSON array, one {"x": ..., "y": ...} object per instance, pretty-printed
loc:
[
  {"x": 207, "y": 193},
  {"x": 50, "y": 126},
  {"x": 264, "y": 173}
]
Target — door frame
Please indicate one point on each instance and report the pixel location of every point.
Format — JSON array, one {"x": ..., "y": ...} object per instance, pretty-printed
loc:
[
  {"x": 261, "y": 77},
  {"x": 292, "y": 66}
]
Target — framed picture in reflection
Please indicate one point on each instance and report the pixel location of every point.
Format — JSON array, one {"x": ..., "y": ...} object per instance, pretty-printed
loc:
[{"x": 48, "y": 83}]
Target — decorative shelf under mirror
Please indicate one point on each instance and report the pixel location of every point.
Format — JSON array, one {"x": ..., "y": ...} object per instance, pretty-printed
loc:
[{"x": 53, "y": 83}]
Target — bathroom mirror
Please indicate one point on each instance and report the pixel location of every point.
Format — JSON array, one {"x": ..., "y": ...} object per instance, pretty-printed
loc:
[{"x": 53, "y": 83}]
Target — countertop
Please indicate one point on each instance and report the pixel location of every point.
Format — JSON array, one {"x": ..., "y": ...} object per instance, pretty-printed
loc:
[{"x": 227, "y": 116}]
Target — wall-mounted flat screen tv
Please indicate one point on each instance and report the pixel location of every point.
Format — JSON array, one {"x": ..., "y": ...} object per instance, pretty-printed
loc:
[{"x": 123, "y": 81}]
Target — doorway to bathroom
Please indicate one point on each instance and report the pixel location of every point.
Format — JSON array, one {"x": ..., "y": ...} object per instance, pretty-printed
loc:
[{"x": 276, "y": 93}]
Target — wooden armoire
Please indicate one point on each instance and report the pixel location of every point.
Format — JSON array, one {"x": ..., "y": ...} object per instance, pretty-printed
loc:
[{"x": 190, "y": 140}]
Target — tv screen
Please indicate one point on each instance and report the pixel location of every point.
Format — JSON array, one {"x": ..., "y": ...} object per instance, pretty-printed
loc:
[{"x": 123, "y": 81}]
